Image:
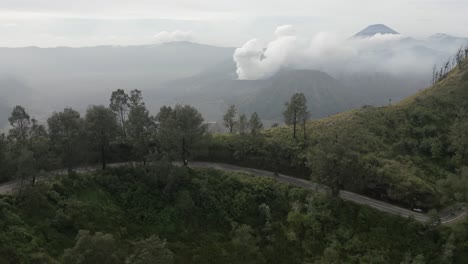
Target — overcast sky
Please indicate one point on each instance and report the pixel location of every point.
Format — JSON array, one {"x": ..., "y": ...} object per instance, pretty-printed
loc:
[{"x": 49, "y": 23}]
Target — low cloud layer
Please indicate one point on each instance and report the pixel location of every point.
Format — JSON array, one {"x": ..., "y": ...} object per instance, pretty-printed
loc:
[
  {"x": 173, "y": 36},
  {"x": 395, "y": 54}
]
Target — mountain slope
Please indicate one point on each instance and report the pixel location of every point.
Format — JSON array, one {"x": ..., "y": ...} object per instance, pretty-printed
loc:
[
  {"x": 213, "y": 91},
  {"x": 325, "y": 95},
  {"x": 407, "y": 150}
]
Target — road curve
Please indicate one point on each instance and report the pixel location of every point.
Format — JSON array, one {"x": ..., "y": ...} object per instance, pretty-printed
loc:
[{"x": 447, "y": 216}]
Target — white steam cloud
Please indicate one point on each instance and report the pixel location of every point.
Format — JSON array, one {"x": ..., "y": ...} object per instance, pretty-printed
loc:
[
  {"x": 173, "y": 36},
  {"x": 389, "y": 53}
]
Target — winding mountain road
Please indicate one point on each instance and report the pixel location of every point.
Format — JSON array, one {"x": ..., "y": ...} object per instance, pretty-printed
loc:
[{"x": 447, "y": 216}]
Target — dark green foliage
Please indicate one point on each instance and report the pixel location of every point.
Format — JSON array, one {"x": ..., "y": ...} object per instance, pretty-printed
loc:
[
  {"x": 207, "y": 216},
  {"x": 229, "y": 118},
  {"x": 20, "y": 122},
  {"x": 259, "y": 151},
  {"x": 140, "y": 128},
  {"x": 255, "y": 124},
  {"x": 95, "y": 248},
  {"x": 336, "y": 164},
  {"x": 119, "y": 104},
  {"x": 152, "y": 250},
  {"x": 179, "y": 129},
  {"x": 243, "y": 124},
  {"x": 296, "y": 112},
  {"x": 455, "y": 187},
  {"x": 6, "y": 168},
  {"x": 101, "y": 124},
  {"x": 66, "y": 136}
]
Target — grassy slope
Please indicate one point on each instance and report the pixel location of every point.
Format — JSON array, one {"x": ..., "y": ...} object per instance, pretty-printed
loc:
[{"x": 403, "y": 138}]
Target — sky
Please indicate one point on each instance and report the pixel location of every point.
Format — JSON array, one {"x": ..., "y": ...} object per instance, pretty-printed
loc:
[{"x": 51, "y": 23}]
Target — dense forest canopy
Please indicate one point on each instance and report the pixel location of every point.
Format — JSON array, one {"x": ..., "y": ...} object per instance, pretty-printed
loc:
[{"x": 164, "y": 214}]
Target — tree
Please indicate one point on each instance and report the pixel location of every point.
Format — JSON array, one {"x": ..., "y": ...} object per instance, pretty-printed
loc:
[
  {"x": 305, "y": 117},
  {"x": 119, "y": 105},
  {"x": 296, "y": 112},
  {"x": 39, "y": 145},
  {"x": 459, "y": 138},
  {"x": 179, "y": 129},
  {"x": 101, "y": 125},
  {"x": 255, "y": 124},
  {"x": 30, "y": 152},
  {"x": 419, "y": 259},
  {"x": 5, "y": 168},
  {"x": 25, "y": 166},
  {"x": 65, "y": 130},
  {"x": 331, "y": 254},
  {"x": 334, "y": 163},
  {"x": 244, "y": 246},
  {"x": 448, "y": 251},
  {"x": 243, "y": 124},
  {"x": 151, "y": 251},
  {"x": 139, "y": 130},
  {"x": 455, "y": 187},
  {"x": 136, "y": 99},
  {"x": 98, "y": 248},
  {"x": 20, "y": 122},
  {"x": 229, "y": 118}
]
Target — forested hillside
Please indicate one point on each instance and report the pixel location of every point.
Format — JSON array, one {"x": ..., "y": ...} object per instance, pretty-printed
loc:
[
  {"x": 165, "y": 214},
  {"x": 413, "y": 152}
]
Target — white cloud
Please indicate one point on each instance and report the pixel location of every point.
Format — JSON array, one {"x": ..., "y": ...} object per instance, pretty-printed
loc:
[
  {"x": 173, "y": 36},
  {"x": 328, "y": 52},
  {"x": 288, "y": 50},
  {"x": 285, "y": 30},
  {"x": 221, "y": 22}
]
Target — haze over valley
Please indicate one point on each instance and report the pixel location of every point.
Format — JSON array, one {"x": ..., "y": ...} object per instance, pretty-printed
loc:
[{"x": 373, "y": 67}]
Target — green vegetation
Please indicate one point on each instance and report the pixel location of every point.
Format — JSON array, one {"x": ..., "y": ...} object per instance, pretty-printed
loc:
[
  {"x": 406, "y": 153},
  {"x": 403, "y": 153},
  {"x": 165, "y": 214},
  {"x": 122, "y": 132},
  {"x": 413, "y": 153},
  {"x": 296, "y": 113},
  {"x": 229, "y": 118}
]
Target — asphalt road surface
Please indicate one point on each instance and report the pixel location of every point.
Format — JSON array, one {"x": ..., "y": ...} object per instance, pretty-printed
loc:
[{"x": 449, "y": 215}]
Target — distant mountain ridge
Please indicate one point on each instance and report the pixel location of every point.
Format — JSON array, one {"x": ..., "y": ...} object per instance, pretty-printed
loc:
[
  {"x": 75, "y": 77},
  {"x": 205, "y": 76},
  {"x": 213, "y": 91}
]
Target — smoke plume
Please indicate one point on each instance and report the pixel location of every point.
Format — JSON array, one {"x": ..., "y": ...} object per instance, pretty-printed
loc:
[{"x": 389, "y": 53}]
